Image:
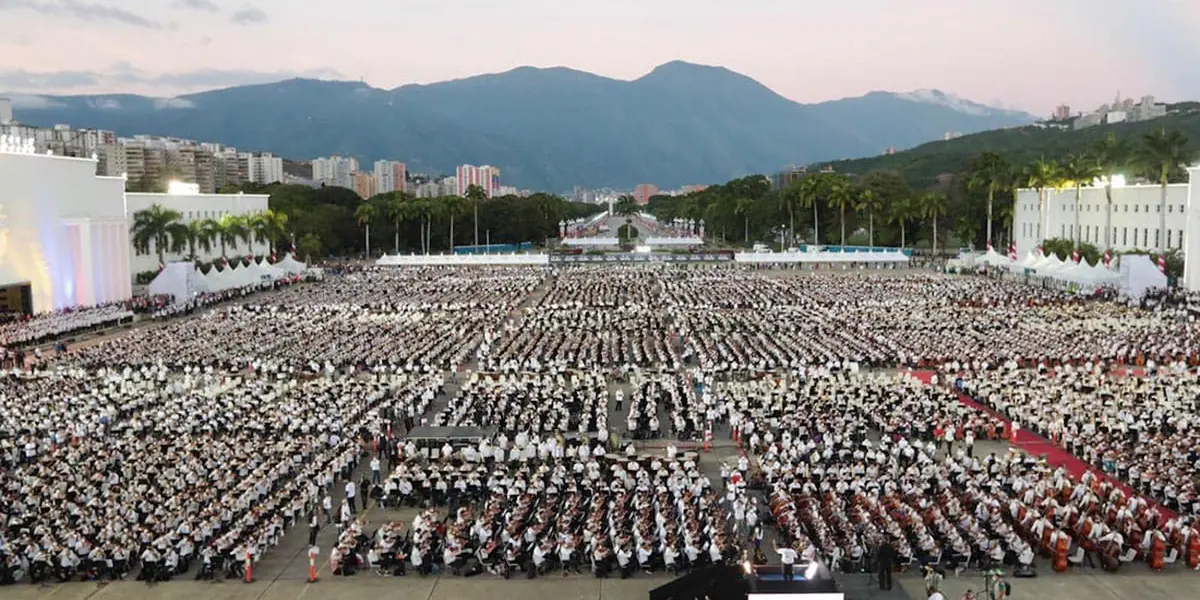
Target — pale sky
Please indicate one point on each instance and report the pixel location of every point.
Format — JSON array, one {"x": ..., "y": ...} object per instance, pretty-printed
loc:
[{"x": 1027, "y": 54}]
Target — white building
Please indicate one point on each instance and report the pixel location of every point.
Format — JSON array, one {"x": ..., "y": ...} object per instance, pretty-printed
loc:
[
  {"x": 63, "y": 230},
  {"x": 264, "y": 168},
  {"x": 196, "y": 207},
  {"x": 486, "y": 177},
  {"x": 390, "y": 176},
  {"x": 335, "y": 170},
  {"x": 1135, "y": 217}
]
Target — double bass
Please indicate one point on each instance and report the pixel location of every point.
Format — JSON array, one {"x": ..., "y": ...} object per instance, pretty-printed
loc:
[{"x": 1110, "y": 555}]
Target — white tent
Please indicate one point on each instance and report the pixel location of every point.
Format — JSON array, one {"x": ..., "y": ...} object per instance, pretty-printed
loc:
[
  {"x": 266, "y": 268},
  {"x": 291, "y": 266},
  {"x": 179, "y": 280},
  {"x": 995, "y": 259},
  {"x": 220, "y": 279}
]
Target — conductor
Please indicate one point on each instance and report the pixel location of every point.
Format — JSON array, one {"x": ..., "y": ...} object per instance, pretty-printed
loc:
[{"x": 885, "y": 557}]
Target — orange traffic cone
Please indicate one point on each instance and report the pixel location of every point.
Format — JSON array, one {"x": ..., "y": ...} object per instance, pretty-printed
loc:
[
  {"x": 708, "y": 440},
  {"x": 312, "y": 568},
  {"x": 249, "y": 568}
]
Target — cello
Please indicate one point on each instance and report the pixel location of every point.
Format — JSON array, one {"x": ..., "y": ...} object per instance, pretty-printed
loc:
[
  {"x": 1061, "y": 547},
  {"x": 1158, "y": 548},
  {"x": 1193, "y": 549}
]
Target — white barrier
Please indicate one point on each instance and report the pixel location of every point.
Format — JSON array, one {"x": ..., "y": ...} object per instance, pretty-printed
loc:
[
  {"x": 592, "y": 241},
  {"x": 820, "y": 257},
  {"x": 429, "y": 260},
  {"x": 673, "y": 241}
]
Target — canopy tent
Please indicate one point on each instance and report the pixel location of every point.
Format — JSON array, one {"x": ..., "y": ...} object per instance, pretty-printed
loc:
[
  {"x": 180, "y": 280},
  {"x": 291, "y": 266},
  {"x": 269, "y": 269},
  {"x": 995, "y": 259}
]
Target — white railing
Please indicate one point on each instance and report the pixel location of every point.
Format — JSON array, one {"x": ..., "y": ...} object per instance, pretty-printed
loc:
[
  {"x": 425, "y": 260},
  {"x": 592, "y": 241},
  {"x": 820, "y": 257},
  {"x": 673, "y": 241}
]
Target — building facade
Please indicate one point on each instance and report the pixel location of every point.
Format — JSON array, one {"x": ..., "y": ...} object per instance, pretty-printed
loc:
[
  {"x": 643, "y": 192},
  {"x": 486, "y": 177},
  {"x": 364, "y": 185},
  {"x": 63, "y": 231},
  {"x": 195, "y": 207},
  {"x": 390, "y": 176},
  {"x": 1134, "y": 225},
  {"x": 335, "y": 170}
]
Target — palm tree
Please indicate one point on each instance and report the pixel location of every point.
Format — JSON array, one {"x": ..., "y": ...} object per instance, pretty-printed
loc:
[
  {"x": 365, "y": 214},
  {"x": 1043, "y": 174},
  {"x": 233, "y": 229},
  {"x": 475, "y": 195},
  {"x": 742, "y": 208},
  {"x": 212, "y": 231},
  {"x": 268, "y": 227},
  {"x": 450, "y": 206},
  {"x": 899, "y": 212},
  {"x": 811, "y": 190},
  {"x": 423, "y": 208},
  {"x": 842, "y": 196},
  {"x": 1113, "y": 155},
  {"x": 870, "y": 203},
  {"x": 1161, "y": 155},
  {"x": 626, "y": 205},
  {"x": 1080, "y": 170},
  {"x": 161, "y": 226},
  {"x": 933, "y": 206},
  {"x": 397, "y": 208},
  {"x": 987, "y": 172},
  {"x": 199, "y": 235},
  {"x": 790, "y": 197}
]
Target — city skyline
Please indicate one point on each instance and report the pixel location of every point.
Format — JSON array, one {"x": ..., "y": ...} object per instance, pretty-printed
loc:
[{"x": 1000, "y": 54}]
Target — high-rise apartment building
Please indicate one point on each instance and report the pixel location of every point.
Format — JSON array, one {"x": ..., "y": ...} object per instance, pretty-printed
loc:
[
  {"x": 364, "y": 185},
  {"x": 264, "y": 168},
  {"x": 335, "y": 170},
  {"x": 1062, "y": 112},
  {"x": 486, "y": 177},
  {"x": 643, "y": 192},
  {"x": 390, "y": 176}
]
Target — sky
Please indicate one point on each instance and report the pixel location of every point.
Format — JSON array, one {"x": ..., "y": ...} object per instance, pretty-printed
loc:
[{"x": 1025, "y": 54}]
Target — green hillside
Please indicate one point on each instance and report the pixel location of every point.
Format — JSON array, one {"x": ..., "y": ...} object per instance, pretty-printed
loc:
[{"x": 1020, "y": 145}]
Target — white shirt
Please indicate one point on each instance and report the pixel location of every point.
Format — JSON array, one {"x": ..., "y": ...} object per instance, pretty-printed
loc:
[{"x": 787, "y": 556}]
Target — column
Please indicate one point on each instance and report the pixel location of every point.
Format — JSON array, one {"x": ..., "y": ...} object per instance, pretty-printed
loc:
[{"x": 1191, "y": 233}]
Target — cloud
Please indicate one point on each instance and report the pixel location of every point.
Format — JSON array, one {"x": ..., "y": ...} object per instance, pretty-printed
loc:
[
  {"x": 104, "y": 103},
  {"x": 173, "y": 103},
  {"x": 249, "y": 16},
  {"x": 123, "y": 75},
  {"x": 86, "y": 11},
  {"x": 25, "y": 80},
  {"x": 33, "y": 102},
  {"x": 203, "y": 5}
]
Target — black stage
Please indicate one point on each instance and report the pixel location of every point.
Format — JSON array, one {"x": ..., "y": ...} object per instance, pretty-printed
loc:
[{"x": 811, "y": 580}]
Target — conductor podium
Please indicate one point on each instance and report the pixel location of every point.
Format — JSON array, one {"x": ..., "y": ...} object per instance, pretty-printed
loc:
[{"x": 811, "y": 581}]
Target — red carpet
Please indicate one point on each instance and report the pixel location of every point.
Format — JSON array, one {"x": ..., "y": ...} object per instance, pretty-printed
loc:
[{"x": 1037, "y": 445}]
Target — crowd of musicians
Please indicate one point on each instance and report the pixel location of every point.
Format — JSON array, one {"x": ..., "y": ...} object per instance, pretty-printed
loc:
[{"x": 190, "y": 446}]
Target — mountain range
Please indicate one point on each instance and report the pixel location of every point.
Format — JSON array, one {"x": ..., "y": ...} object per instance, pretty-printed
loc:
[{"x": 546, "y": 128}]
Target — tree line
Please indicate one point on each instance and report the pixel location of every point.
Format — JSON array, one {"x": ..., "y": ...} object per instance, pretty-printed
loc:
[
  {"x": 335, "y": 221},
  {"x": 972, "y": 207}
]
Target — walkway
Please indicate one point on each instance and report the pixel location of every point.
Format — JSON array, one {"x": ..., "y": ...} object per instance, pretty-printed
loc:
[{"x": 1036, "y": 445}]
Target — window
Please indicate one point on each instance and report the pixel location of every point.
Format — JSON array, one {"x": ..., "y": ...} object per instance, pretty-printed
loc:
[
  {"x": 1146, "y": 236},
  {"x": 1147, "y": 208},
  {"x": 1126, "y": 207},
  {"x": 1157, "y": 208},
  {"x": 1135, "y": 208},
  {"x": 1157, "y": 235},
  {"x": 1114, "y": 235},
  {"x": 1170, "y": 208},
  {"x": 1168, "y": 238},
  {"x": 1063, "y": 231},
  {"x": 1125, "y": 236},
  {"x": 1181, "y": 208},
  {"x": 1179, "y": 239}
]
